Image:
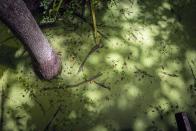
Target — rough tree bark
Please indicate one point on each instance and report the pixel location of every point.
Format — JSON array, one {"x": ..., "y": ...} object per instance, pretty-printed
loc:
[{"x": 16, "y": 15}]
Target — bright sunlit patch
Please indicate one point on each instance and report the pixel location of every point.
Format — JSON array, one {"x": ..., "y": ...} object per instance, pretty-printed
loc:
[
  {"x": 122, "y": 102},
  {"x": 155, "y": 30},
  {"x": 146, "y": 37},
  {"x": 149, "y": 60},
  {"x": 132, "y": 91},
  {"x": 3, "y": 78},
  {"x": 165, "y": 88},
  {"x": 115, "y": 44},
  {"x": 173, "y": 67},
  {"x": 172, "y": 94},
  {"x": 115, "y": 60},
  {"x": 57, "y": 41},
  {"x": 175, "y": 49},
  {"x": 91, "y": 108},
  {"x": 152, "y": 114},
  {"x": 10, "y": 125},
  {"x": 72, "y": 115},
  {"x": 163, "y": 103},
  {"x": 139, "y": 125},
  {"x": 17, "y": 97},
  {"x": 166, "y": 5},
  {"x": 94, "y": 95},
  {"x": 131, "y": 9},
  {"x": 94, "y": 59},
  {"x": 19, "y": 52},
  {"x": 99, "y": 128},
  {"x": 190, "y": 55},
  {"x": 177, "y": 82},
  {"x": 163, "y": 24}
]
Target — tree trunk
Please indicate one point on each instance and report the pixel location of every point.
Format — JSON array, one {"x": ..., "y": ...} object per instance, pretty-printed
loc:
[{"x": 15, "y": 14}]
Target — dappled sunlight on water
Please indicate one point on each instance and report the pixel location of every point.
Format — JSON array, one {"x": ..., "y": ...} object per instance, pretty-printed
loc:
[{"x": 137, "y": 81}]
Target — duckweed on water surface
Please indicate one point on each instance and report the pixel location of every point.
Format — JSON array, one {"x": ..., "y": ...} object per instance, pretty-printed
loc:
[{"x": 143, "y": 74}]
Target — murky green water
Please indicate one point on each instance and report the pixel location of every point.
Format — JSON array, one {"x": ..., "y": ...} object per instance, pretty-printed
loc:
[{"x": 146, "y": 66}]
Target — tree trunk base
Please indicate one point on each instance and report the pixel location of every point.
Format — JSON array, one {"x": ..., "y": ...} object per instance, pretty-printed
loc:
[{"x": 49, "y": 68}]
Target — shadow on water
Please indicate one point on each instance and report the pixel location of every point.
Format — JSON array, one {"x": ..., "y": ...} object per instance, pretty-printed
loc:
[{"x": 144, "y": 62}]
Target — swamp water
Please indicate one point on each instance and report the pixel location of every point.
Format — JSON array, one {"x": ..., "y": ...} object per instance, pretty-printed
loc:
[{"x": 138, "y": 80}]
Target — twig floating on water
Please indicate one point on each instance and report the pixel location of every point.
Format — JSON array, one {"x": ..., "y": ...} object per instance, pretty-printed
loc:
[
  {"x": 168, "y": 74},
  {"x": 40, "y": 105},
  {"x": 194, "y": 77},
  {"x": 102, "y": 85},
  {"x": 9, "y": 38},
  {"x": 77, "y": 84},
  {"x": 93, "y": 49},
  {"x": 52, "y": 119},
  {"x": 2, "y": 109}
]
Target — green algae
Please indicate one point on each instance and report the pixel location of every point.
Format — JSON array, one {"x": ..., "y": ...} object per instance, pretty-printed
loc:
[{"x": 144, "y": 62}]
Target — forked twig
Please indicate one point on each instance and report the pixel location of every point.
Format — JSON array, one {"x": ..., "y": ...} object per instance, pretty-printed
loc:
[
  {"x": 77, "y": 84},
  {"x": 93, "y": 49}
]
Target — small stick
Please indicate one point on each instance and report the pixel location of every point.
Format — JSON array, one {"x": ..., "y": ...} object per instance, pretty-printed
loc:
[
  {"x": 169, "y": 74},
  {"x": 90, "y": 24},
  {"x": 9, "y": 38},
  {"x": 93, "y": 49},
  {"x": 102, "y": 85},
  {"x": 40, "y": 105},
  {"x": 83, "y": 7},
  {"x": 52, "y": 119},
  {"x": 194, "y": 77},
  {"x": 78, "y": 84},
  {"x": 2, "y": 109},
  {"x": 92, "y": 10}
]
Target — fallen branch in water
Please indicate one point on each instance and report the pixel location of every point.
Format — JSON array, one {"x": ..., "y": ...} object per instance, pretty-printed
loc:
[
  {"x": 142, "y": 72},
  {"x": 192, "y": 72},
  {"x": 52, "y": 119},
  {"x": 2, "y": 109},
  {"x": 90, "y": 24},
  {"x": 169, "y": 74},
  {"x": 9, "y": 38},
  {"x": 102, "y": 85},
  {"x": 93, "y": 49},
  {"x": 76, "y": 85},
  {"x": 39, "y": 104}
]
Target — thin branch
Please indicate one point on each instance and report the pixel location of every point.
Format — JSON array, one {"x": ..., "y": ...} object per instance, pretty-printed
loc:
[
  {"x": 194, "y": 77},
  {"x": 2, "y": 109},
  {"x": 83, "y": 7},
  {"x": 169, "y": 74},
  {"x": 93, "y": 49},
  {"x": 85, "y": 81},
  {"x": 92, "y": 10},
  {"x": 48, "y": 25},
  {"x": 142, "y": 72},
  {"x": 39, "y": 104},
  {"x": 102, "y": 85},
  {"x": 52, "y": 119},
  {"x": 9, "y": 38},
  {"x": 90, "y": 24},
  {"x": 77, "y": 84}
]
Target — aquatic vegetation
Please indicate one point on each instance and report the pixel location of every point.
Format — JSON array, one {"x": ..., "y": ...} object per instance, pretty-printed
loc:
[{"x": 141, "y": 76}]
